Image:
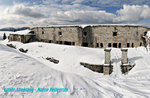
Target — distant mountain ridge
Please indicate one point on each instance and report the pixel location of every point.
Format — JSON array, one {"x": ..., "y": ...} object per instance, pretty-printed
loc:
[{"x": 14, "y": 29}]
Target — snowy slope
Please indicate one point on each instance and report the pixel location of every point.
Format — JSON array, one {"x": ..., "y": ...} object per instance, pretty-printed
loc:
[{"x": 33, "y": 70}]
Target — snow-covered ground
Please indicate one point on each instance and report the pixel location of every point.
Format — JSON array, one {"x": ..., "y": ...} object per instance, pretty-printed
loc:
[{"x": 31, "y": 69}]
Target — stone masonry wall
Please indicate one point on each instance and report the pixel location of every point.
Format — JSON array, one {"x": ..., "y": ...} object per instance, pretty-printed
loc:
[
  {"x": 101, "y": 36},
  {"x": 55, "y": 34}
]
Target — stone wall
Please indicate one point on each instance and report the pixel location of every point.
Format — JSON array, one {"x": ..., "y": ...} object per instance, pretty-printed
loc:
[
  {"x": 118, "y": 36},
  {"x": 61, "y": 35},
  {"x": 21, "y": 38},
  {"x": 102, "y": 36},
  {"x": 16, "y": 37}
]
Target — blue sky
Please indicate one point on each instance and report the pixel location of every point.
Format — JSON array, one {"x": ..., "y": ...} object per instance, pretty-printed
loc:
[{"x": 72, "y": 12}]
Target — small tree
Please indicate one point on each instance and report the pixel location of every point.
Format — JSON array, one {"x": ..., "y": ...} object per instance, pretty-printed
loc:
[{"x": 4, "y": 36}]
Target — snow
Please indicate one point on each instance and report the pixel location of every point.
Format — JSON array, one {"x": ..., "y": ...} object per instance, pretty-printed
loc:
[
  {"x": 31, "y": 69},
  {"x": 23, "y": 32},
  {"x": 85, "y": 25},
  {"x": 148, "y": 34}
]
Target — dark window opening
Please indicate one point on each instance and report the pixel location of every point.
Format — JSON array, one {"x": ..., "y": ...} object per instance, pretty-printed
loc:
[
  {"x": 85, "y": 44},
  {"x": 59, "y": 42},
  {"x": 85, "y": 33},
  {"x": 50, "y": 41},
  {"x": 115, "y": 45},
  {"x": 73, "y": 43},
  {"x": 101, "y": 45},
  {"x": 114, "y": 33},
  {"x": 128, "y": 44},
  {"x": 132, "y": 45},
  {"x": 119, "y": 45},
  {"x": 109, "y": 44},
  {"x": 42, "y": 32},
  {"x": 140, "y": 43},
  {"x": 97, "y": 45},
  {"x": 60, "y": 33},
  {"x": 67, "y": 43}
]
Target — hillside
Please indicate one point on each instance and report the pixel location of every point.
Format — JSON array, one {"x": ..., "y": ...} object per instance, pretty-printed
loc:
[{"x": 31, "y": 69}]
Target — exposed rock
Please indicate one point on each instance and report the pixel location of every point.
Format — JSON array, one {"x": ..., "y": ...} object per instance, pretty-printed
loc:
[
  {"x": 22, "y": 50},
  {"x": 52, "y": 60},
  {"x": 11, "y": 45}
]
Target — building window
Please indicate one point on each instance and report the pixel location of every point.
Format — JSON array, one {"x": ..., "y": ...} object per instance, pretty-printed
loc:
[
  {"x": 67, "y": 43},
  {"x": 85, "y": 44},
  {"x": 50, "y": 41},
  {"x": 85, "y": 33},
  {"x": 132, "y": 45},
  {"x": 109, "y": 44},
  {"x": 140, "y": 43},
  {"x": 128, "y": 44},
  {"x": 115, "y": 45},
  {"x": 119, "y": 45},
  {"x": 97, "y": 45},
  {"x": 42, "y": 32},
  {"x": 101, "y": 45},
  {"x": 114, "y": 33},
  {"x": 60, "y": 33},
  {"x": 73, "y": 43},
  {"x": 60, "y": 42}
]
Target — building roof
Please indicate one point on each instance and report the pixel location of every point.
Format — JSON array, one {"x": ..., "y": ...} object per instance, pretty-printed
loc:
[
  {"x": 23, "y": 32},
  {"x": 92, "y": 25}
]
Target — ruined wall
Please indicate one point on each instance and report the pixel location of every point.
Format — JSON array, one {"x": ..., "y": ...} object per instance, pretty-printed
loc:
[
  {"x": 101, "y": 36},
  {"x": 21, "y": 38},
  {"x": 28, "y": 38},
  {"x": 16, "y": 37},
  {"x": 126, "y": 36},
  {"x": 60, "y": 35},
  {"x": 87, "y": 37}
]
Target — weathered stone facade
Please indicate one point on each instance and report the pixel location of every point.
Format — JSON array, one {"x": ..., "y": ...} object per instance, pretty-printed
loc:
[
  {"x": 69, "y": 35},
  {"x": 99, "y": 36},
  {"x": 118, "y": 36},
  {"x": 21, "y": 38}
]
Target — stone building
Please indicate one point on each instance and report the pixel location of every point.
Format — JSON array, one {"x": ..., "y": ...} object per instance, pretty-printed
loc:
[
  {"x": 22, "y": 36},
  {"x": 97, "y": 36},
  {"x": 68, "y": 35}
]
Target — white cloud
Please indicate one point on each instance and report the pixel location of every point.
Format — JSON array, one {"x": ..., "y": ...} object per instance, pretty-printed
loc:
[
  {"x": 49, "y": 14},
  {"x": 82, "y": 17},
  {"x": 20, "y": 9},
  {"x": 133, "y": 13}
]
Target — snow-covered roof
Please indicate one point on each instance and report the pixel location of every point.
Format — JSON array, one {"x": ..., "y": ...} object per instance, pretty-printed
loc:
[
  {"x": 85, "y": 25},
  {"x": 23, "y": 32}
]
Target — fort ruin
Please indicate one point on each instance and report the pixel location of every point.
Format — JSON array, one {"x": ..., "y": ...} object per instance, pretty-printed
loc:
[{"x": 98, "y": 36}]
